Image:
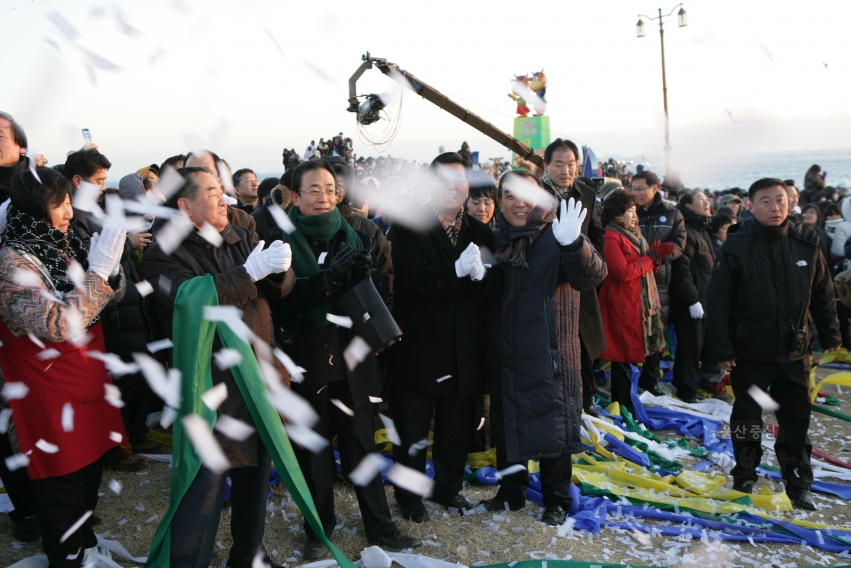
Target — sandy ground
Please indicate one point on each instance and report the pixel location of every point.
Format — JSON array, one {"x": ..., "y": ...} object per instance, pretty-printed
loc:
[{"x": 131, "y": 517}]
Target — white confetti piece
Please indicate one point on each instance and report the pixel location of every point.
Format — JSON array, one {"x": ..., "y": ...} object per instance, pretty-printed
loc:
[
  {"x": 205, "y": 444},
  {"x": 233, "y": 428},
  {"x": 293, "y": 407},
  {"x": 357, "y": 350},
  {"x": 151, "y": 519},
  {"x": 232, "y": 317},
  {"x": 48, "y": 354},
  {"x": 516, "y": 468},
  {"x": 481, "y": 423},
  {"x": 155, "y": 346},
  {"x": 75, "y": 526},
  {"x": 166, "y": 385},
  {"x": 116, "y": 437},
  {"x": 441, "y": 379},
  {"x": 144, "y": 288},
  {"x": 367, "y": 469},
  {"x": 375, "y": 399},
  {"x": 17, "y": 462},
  {"x": 170, "y": 182},
  {"x": 211, "y": 235},
  {"x": 122, "y": 522},
  {"x": 342, "y": 321},
  {"x": 227, "y": 358},
  {"x": 410, "y": 479},
  {"x": 322, "y": 258},
  {"x": 171, "y": 235},
  {"x": 15, "y": 390},
  {"x": 5, "y": 415},
  {"x": 306, "y": 437},
  {"x": 296, "y": 372},
  {"x": 46, "y": 447},
  {"x": 115, "y": 486},
  {"x": 282, "y": 220},
  {"x": 214, "y": 397},
  {"x": 76, "y": 274},
  {"x": 168, "y": 416},
  {"x": 762, "y": 398},
  {"x": 26, "y": 278},
  {"x": 417, "y": 446},
  {"x": 67, "y": 417},
  {"x": 112, "y": 394},
  {"x": 342, "y": 407},
  {"x": 140, "y": 507},
  {"x": 114, "y": 364},
  {"x": 390, "y": 428}
]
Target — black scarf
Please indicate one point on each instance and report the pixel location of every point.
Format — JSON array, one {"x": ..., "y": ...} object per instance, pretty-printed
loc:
[
  {"x": 52, "y": 247},
  {"x": 518, "y": 240}
]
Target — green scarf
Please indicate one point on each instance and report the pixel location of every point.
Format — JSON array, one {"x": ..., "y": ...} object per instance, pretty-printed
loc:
[
  {"x": 193, "y": 347},
  {"x": 316, "y": 228}
]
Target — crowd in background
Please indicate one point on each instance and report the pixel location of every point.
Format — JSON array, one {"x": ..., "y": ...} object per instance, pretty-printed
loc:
[{"x": 616, "y": 261}]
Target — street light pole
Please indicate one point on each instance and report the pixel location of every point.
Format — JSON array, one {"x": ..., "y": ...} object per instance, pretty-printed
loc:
[
  {"x": 660, "y": 19},
  {"x": 665, "y": 98}
]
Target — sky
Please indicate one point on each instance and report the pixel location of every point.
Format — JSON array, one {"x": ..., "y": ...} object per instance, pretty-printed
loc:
[{"x": 246, "y": 79}]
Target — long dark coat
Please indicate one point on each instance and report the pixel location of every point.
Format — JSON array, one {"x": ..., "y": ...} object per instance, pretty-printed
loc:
[
  {"x": 533, "y": 349},
  {"x": 691, "y": 272},
  {"x": 664, "y": 223},
  {"x": 439, "y": 313}
]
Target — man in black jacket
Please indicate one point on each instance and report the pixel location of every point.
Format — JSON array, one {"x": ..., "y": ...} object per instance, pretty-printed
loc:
[
  {"x": 769, "y": 276},
  {"x": 246, "y": 277},
  {"x": 660, "y": 222},
  {"x": 438, "y": 367},
  {"x": 690, "y": 274},
  {"x": 329, "y": 257},
  {"x": 562, "y": 164}
]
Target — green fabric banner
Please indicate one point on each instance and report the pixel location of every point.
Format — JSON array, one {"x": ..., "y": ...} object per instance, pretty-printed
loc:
[{"x": 193, "y": 348}]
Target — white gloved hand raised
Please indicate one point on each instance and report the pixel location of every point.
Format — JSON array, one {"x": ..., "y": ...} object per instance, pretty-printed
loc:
[
  {"x": 696, "y": 311},
  {"x": 468, "y": 261},
  {"x": 261, "y": 263},
  {"x": 568, "y": 227},
  {"x": 105, "y": 252}
]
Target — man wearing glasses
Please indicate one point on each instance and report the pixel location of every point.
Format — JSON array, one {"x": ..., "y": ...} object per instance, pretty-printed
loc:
[
  {"x": 329, "y": 257},
  {"x": 438, "y": 367},
  {"x": 660, "y": 222}
]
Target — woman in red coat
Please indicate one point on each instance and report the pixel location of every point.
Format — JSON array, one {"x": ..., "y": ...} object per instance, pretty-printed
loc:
[
  {"x": 51, "y": 294},
  {"x": 629, "y": 301}
]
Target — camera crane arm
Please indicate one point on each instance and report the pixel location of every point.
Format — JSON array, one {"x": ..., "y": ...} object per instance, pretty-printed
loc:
[{"x": 436, "y": 97}]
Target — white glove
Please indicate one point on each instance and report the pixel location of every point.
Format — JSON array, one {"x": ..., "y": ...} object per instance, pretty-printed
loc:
[
  {"x": 3, "y": 208},
  {"x": 468, "y": 261},
  {"x": 568, "y": 228},
  {"x": 261, "y": 263},
  {"x": 105, "y": 252},
  {"x": 696, "y": 311}
]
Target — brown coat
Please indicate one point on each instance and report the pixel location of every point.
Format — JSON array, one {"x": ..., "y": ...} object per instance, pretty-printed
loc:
[{"x": 196, "y": 257}]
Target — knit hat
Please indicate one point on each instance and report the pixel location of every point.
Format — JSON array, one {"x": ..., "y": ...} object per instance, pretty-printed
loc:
[
  {"x": 465, "y": 146},
  {"x": 131, "y": 187}
]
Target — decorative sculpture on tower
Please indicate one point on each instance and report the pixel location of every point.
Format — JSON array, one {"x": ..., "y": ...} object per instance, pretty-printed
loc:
[{"x": 534, "y": 131}]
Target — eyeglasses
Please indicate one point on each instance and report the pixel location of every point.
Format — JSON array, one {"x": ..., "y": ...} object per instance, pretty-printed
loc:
[{"x": 314, "y": 193}]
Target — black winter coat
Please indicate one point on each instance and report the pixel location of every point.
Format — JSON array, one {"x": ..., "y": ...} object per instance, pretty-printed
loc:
[
  {"x": 313, "y": 347},
  {"x": 8, "y": 173},
  {"x": 664, "y": 223},
  {"x": 691, "y": 272},
  {"x": 764, "y": 282},
  {"x": 538, "y": 368},
  {"x": 196, "y": 257},
  {"x": 439, "y": 313},
  {"x": 591, "y": 330}
]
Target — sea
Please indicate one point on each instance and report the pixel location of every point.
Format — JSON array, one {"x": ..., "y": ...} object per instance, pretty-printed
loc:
[{"x": 741, "y": 170}]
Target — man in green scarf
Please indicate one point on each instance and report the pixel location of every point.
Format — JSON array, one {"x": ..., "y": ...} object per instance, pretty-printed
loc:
[{"x": 329, "y": 257}]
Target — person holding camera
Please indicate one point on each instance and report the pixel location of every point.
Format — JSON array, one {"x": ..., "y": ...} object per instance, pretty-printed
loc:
[
  {"x": 329, "y": 258},
  {"x": 768, "y": 278}
]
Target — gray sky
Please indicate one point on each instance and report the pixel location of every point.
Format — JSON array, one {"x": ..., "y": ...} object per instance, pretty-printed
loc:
[{"x": 190, "y": 73}]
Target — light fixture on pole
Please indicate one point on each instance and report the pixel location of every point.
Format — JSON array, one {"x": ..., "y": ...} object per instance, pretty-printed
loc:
[{"x": 682, "y": 21}]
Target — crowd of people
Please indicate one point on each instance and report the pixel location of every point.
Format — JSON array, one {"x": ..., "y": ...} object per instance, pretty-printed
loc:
[{"x": 517, "y": 287}]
